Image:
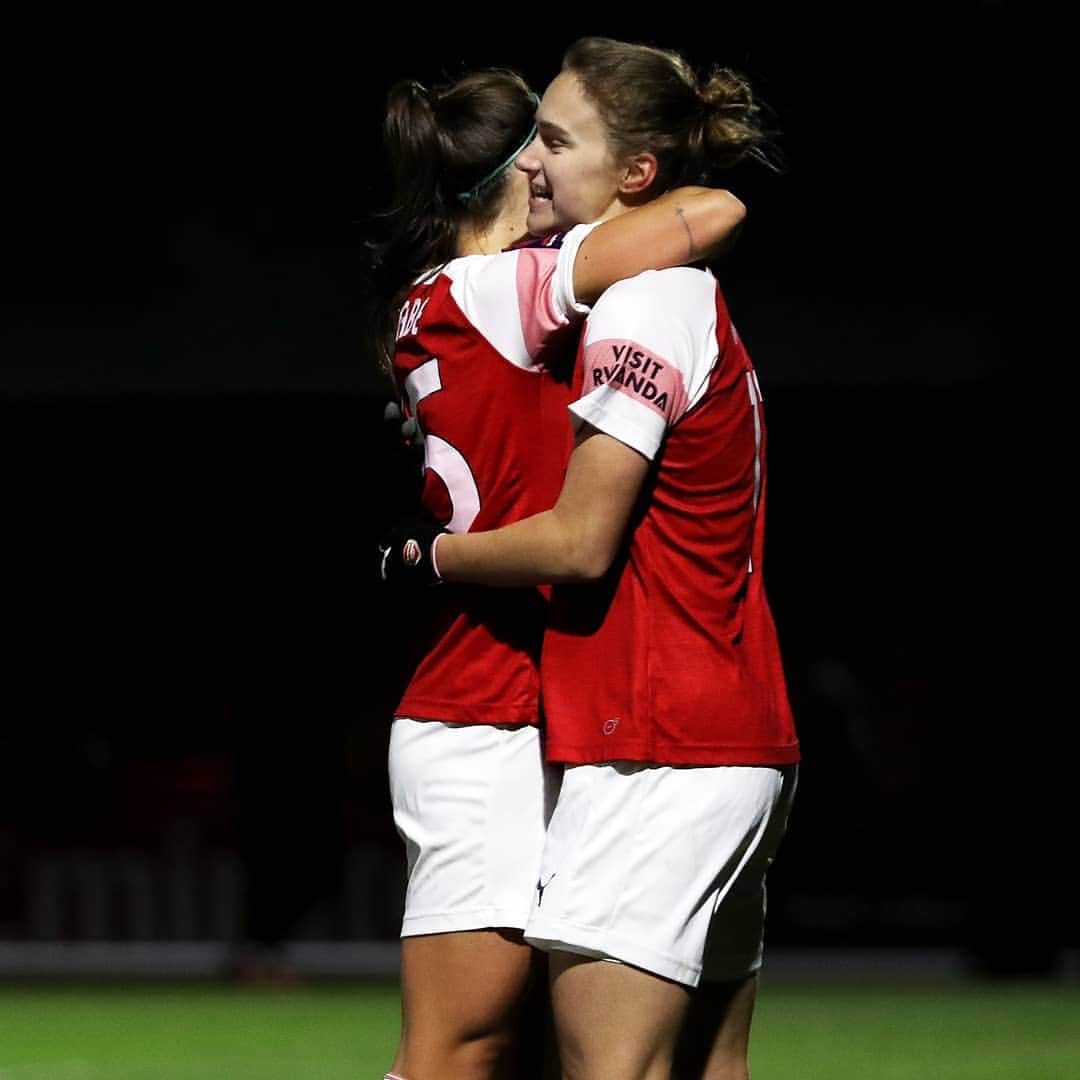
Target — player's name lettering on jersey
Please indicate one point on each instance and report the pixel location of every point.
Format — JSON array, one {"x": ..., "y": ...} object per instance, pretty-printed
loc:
[
  {"x": 409, "y": 317},
  {"x": 635, "y": 370}
]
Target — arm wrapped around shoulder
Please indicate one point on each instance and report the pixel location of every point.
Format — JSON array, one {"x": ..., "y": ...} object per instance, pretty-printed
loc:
[{"x": 407, "y": 553}]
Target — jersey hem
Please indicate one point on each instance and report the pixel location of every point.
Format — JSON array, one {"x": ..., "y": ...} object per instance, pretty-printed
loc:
[
  {"x": 569, "y": 754},
  {"x": 443, "y": 714}
]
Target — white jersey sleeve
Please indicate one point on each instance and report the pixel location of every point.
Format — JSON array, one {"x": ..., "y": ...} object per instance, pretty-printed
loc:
[
  {"x": 518, "y": 299},
  {"x": 649, "y": 346}
]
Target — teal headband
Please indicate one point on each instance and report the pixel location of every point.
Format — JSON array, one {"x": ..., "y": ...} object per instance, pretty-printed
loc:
[{"x": 475, "y": 190}]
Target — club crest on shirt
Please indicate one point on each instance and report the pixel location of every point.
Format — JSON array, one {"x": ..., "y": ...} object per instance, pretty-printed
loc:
[{"x": 411, "y": 553}]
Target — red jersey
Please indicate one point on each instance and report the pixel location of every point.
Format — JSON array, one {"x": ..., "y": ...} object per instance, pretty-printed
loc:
[
  {"x": 673, "y": 658},
  {"x": 477, "y": 342}
]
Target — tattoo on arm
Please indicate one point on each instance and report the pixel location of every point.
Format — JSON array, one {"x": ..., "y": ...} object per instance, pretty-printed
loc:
[{"x": 692, "y": 252}]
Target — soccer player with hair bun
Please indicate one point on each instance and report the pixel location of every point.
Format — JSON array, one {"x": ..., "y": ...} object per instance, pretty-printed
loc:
[
  {"x": 477, "y": 327},
  {"x": 662, "y": 683}
]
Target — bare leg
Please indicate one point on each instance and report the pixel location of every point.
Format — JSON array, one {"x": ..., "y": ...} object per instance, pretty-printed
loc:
[
  {"x": 469, "y": 1007},
  {"x": 714, "y": 1043},
  {"x": 613, "y": 1021}
]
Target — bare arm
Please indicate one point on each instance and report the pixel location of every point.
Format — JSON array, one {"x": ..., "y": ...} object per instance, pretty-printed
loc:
[
  {"x": 681, "y": 227},
  {"x": 576, "y": 540}
]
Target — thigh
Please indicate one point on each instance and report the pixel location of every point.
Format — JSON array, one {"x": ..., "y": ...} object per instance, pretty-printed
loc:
[
  {"x": 471, "y": 804},
  {"x": 613, "y": 1021},
  {"x": 472, "y": 979},
  {"x": 714, "y": 1040},
  {"x": 472, "y": 1006}
]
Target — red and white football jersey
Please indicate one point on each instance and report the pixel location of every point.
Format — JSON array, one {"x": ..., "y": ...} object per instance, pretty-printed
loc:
[
  {"x": 673, "y": 658},
  {"x": 480, "y": 345}
]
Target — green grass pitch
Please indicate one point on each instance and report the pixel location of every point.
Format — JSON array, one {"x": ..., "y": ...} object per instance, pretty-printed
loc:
[{"x": 347, "y": 1031}]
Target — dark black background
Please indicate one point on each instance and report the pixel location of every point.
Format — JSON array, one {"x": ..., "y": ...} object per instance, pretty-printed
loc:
[
  {"x": 197, "y": 468},
  {"x": 189, "y": 200}
]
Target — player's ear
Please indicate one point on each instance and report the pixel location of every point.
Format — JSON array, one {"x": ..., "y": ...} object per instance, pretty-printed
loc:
[{"x": 638, "y": 173}]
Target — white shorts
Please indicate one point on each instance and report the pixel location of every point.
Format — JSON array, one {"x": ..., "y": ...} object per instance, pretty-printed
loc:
[
  {"x": 471, "y": 802},
  {"x": 662, "y": 867}
]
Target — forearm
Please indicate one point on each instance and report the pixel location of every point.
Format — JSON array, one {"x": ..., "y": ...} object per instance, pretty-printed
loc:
[
  {"x": 539, "y": 550},
  {"x": 575, "y": 541}
]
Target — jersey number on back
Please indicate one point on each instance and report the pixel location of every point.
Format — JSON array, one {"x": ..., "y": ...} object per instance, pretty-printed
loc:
[{"x": 441, "y": 457}]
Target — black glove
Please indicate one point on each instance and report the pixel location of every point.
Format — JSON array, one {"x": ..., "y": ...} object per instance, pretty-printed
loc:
[{"x": 405, "y": 553}]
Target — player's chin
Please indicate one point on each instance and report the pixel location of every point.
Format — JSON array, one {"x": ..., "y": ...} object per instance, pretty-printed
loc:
[{"x": 541, "y": 219}]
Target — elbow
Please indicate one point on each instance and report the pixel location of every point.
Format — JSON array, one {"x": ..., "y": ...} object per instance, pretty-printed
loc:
[
  {"x": 730, "y": 207},
  {"x": 718, "y": 223},
  {"x": 580, "y": 574},
  {"x": 587, "y": 561}
]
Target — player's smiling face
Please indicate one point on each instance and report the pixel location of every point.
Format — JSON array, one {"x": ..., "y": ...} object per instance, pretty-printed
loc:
[{"x": 573, "y": 175}]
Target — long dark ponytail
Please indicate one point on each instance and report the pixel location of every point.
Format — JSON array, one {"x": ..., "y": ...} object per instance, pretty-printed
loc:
[{"x": 446, "y": 151}]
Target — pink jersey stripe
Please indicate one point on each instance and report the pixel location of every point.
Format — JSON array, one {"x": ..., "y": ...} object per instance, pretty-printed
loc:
[{"x": 535, "y": 285}]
